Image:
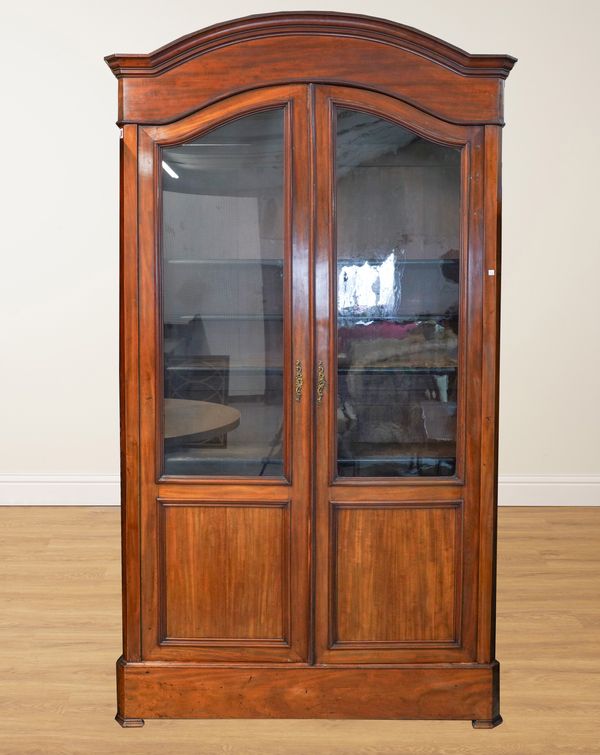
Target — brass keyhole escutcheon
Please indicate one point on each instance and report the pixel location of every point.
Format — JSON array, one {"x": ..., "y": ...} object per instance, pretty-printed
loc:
[
  {"x": 321, "y": 382},
  {"x": 299, "y": 380}
]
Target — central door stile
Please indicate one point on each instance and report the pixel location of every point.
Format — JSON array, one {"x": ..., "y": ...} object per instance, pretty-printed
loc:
[
  {"x": 322, "y": 118},
  {"x": 226, "y": 538},
  {"x": 312, "y": 280}
]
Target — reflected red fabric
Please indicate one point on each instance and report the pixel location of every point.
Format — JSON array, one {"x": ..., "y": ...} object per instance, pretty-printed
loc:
[{"x": 375, "y": 330}]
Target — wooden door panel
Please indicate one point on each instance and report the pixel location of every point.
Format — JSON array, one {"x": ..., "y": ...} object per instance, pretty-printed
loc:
[
  {"x": 225, "y": 546},
  {"x": 396, "y": 545},
  {"x": 396, "y": 574},
  {"x": 225, "y": 573}
]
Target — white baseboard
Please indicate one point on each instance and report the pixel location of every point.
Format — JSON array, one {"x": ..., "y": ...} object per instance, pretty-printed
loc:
[
  {"x": 549, "y": 490},
  {"x": 59, "y": 490},
  {"x": 103, "y": 490}
]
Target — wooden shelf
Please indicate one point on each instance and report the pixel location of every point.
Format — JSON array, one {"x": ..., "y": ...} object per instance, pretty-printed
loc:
[
  {"x": 232, "y": 318},
  {"x": 387, "y": 370},
  {"x": 400, "y": 261},
  {"x": 226, "y": 261}
]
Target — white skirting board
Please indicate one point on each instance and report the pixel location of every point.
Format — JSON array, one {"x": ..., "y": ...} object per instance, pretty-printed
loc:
[
  {"x": 549, "y": 490},
  {"x": 103, "y": 490},
  {"x": 59, "y": 490}
]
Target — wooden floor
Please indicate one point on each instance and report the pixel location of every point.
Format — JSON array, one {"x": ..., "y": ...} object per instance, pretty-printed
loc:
[{"x": 60, "y": 636}]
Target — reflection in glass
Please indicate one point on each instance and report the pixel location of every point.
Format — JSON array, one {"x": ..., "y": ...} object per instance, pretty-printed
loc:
[
  {"x": 398, "y": 241},
  {"x": 222, "y": 287}
]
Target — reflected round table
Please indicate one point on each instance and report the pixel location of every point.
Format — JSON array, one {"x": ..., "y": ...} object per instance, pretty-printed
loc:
[{"x": 199, "y": 419}]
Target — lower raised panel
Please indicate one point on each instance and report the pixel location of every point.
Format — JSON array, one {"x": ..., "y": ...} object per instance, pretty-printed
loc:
[
  {"x": 147, "y": 690},
  {"x": 224, "y": 573},
  {"x": 396, "y": 574}
]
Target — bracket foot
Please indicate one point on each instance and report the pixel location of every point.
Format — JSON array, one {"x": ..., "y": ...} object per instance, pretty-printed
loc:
[
  {"x": 482, "y": 723},
  {"x": 129, "y": 723}
]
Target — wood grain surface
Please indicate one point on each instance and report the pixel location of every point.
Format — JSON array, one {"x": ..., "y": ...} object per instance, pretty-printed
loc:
[
  {"x": 194, "y": 71},
  {"x": 163, "y": 690},
  {"x": 200, "y": 419},
  {"x": 224, "y": 573},
  {"x": 60, "y": 634},
  {"x": 280, "y": 630},
  {"x": 437, "y": 644},
  {"x": 407, "y": 557},
  {"x": 316, "y": 601}
]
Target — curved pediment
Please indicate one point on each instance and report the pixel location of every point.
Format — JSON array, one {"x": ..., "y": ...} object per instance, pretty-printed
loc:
[
  {"x": 309, "y": 23},
  {"x": 293, "y": 48}
]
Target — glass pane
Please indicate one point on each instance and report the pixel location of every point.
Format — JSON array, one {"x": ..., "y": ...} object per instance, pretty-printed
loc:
[
  {"x": 398, "y": 240},
  {"x": 223, "y": 270}
]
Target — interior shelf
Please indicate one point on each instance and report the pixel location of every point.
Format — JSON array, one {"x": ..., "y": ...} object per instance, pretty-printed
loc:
[
  {"x": 394, "y": 459},
  {"x": 397, "y": 318},
  {"x": 232, "y": 318},
  {"x": 399, "y": 261},
  {"x": 279, "y": 262},
  {"x": 219, "y": 466},
  {"x": 226, "y": 261},
  {"x": 378, "y": 166},
  {"x": 341, "y": 370},
  {"x": 190, "y": 366},
  {"x": 393, "y": 370}
]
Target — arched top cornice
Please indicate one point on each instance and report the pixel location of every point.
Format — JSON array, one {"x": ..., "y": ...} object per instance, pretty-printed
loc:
[{"x": 309, "y": 24}]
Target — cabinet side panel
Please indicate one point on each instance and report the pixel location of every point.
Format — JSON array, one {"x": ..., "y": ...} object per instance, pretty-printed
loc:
[
  {"x": 490, "y": 391},
  {"x": 129, "y": 394}
]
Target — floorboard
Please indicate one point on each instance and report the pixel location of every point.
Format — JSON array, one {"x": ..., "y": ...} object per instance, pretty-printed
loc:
[{"x": 60, "y": 636}]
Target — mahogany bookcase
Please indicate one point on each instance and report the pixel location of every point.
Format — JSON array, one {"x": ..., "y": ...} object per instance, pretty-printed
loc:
[{"x": 310, "y": 277}]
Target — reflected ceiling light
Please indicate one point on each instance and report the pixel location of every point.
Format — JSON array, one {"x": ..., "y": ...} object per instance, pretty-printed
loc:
[{"x": 169, "y": 170}]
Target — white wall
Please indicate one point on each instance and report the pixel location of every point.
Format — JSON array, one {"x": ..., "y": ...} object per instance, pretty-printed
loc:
[{"x": 58, "y": 393}]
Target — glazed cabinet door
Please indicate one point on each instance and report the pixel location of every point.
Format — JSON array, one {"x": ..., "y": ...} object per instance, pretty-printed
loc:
[
  {"x": 225, "y": 381},
  {"x": 398, "y": 396}
]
